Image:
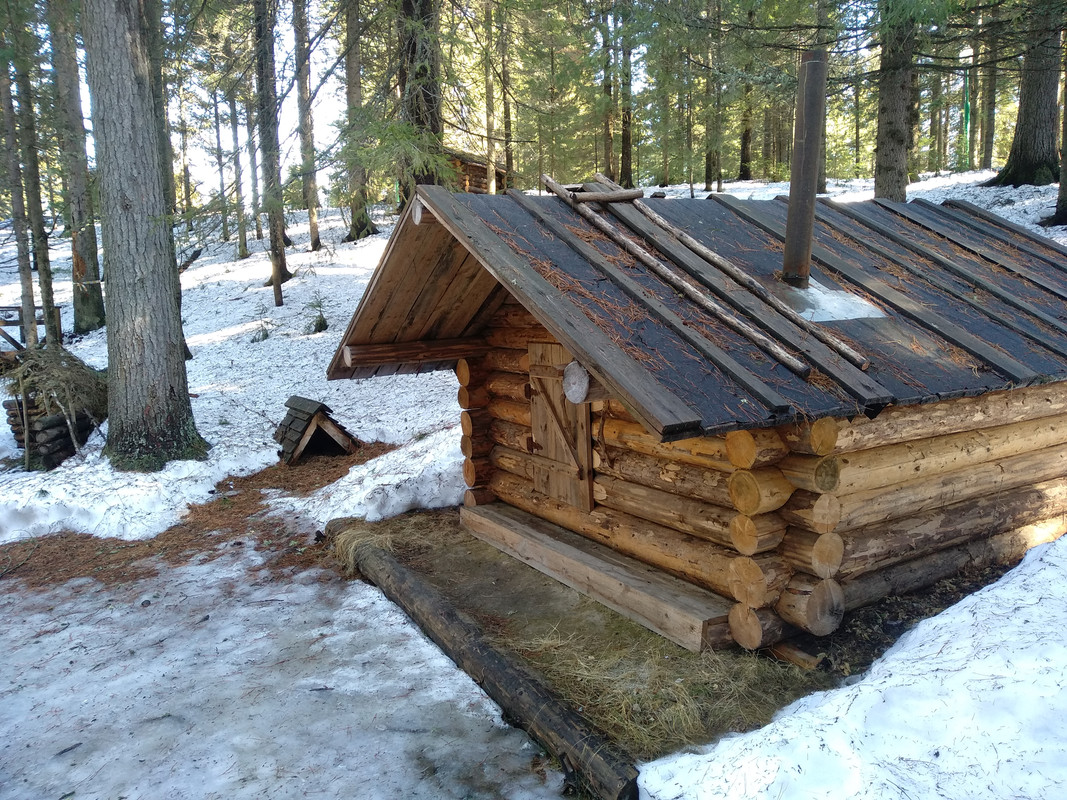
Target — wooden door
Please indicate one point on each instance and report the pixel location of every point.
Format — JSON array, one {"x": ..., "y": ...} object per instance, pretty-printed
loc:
[{"x": 562, "y": 434}]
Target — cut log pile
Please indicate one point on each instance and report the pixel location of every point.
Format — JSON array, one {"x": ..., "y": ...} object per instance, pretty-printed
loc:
[
  {"x": 793, "y": 526},
  {"x": 49, "y": 437}
]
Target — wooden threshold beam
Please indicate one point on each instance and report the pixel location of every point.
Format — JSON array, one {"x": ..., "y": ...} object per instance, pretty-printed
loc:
[{"x": 687, "y": 615}]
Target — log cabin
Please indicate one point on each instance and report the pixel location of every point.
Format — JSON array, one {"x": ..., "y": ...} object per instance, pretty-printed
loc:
[{"x": 652, "y": 416}]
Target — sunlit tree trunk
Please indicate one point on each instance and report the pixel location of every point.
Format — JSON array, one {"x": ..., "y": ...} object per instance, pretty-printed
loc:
[
  {"x": 224, "y": 209},
  {"x": 263, "y": 21},
  {"x": 18, "y": 208},
  {"x": 488, "y": 52},
  {"x": 88, "y": 301},
  {"x": 305, "y": 130},
  {"x": 894, "y": 99},
  {"x": 1033, "y": 159},
  {"x": 360, "y": 225},
  {"x": 239, "y": 200},
  {"x": 253, "y": 169},
  {"x": 150, "y": 420},
  {"x": 25, "y": 50}
]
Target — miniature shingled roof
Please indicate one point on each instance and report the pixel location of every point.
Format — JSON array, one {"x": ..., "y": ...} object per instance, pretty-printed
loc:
[
  {"x": 943, "y": 301},
  {"x": 308, "y": 428}
]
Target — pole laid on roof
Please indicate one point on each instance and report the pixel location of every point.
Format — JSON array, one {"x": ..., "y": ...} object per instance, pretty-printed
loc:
[{"x": 804, "y": 174}]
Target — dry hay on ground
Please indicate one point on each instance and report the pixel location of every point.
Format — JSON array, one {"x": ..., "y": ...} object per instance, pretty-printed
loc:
[{"x": 649, "y": 695}]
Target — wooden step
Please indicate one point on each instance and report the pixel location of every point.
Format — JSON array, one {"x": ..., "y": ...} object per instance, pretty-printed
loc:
[{"x": 687, "y": 615}]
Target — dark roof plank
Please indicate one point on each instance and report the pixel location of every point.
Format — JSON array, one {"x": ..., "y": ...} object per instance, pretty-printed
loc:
[
  {"x": 744, "y": 377},
  {"x": 856, "y": 383},
  {"x": 935, "y": 280},
  {"x": 953, "y": 266},
  {"x": 656, "y": 407},
  {"x": 1038, "y": 243},
  {"x": 1002, "y": 362},
  {"x": 923, "y": 218}
]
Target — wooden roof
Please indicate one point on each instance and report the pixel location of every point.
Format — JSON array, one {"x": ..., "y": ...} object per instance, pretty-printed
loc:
[{"x": 958, "y": 302}]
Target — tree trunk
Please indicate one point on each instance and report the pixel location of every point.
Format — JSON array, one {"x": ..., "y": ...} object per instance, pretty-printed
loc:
[
  {"x": 490, "y": 100},
  {"x": 914, "y": 122},
  {"x": 253, "y": 168},
  {"x": 150, "y": 421},
  {"x": 187, "y": 178},
  {"x": 933, "y": 159},
  {"x": 626, "y": 120},
  {"x": 607, "y": 90},
  {"x": 1033, "y": 159},
  {"x": 220, "y": 162},
  {"x": 1060, "y": 216},
  {"x": 152, "y": 22},
  {"x": 744, "y": 170},
  {"x": 263, "y": 21},
  {"x": 894, "y": 99},
  {"x": 420, "y": 89},
  {"x": 18, "y": 208},
  {"x": 307, "y": 138},
  {"x": 85, "y": 270},
  {"x": 25, "y": 49},
  {"x": 504, "y": 45},
  {"x": 972, "y": 100},
  {"x": 857, "y": 124},
  {"x": 360, "y": 225},
  {"x": 989, "y": 98},
  {"x": 239, "y": 200}
]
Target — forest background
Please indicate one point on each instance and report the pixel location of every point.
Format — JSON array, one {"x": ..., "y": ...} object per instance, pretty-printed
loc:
[{"x": 387, "y": 93}]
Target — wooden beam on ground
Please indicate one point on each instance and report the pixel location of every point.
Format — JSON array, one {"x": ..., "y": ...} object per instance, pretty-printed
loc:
[
  {"x": 564, "y": 733},
  {"x": 690, "y": 617}
]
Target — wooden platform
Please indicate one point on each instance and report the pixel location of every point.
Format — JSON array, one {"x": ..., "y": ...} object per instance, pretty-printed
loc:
[{"x": 685, "y": 614}]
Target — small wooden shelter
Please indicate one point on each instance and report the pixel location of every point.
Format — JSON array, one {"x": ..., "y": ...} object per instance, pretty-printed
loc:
[
  {"x": 308, "y": 428},
  {"x": 653, "y": 417}
]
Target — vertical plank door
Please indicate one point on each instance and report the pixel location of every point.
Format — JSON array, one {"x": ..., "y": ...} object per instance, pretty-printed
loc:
[{"x": 561, "y": 431}]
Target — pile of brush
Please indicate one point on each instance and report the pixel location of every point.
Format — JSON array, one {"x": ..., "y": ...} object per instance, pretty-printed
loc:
[{"x": 58, "y": 401}]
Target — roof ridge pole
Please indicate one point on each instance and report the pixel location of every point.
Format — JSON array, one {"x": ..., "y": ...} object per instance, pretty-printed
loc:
[{"x": 804, "y": 171}]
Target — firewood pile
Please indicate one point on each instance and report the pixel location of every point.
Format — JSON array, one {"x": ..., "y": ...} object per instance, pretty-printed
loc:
[{"x": 49, "y": 436}]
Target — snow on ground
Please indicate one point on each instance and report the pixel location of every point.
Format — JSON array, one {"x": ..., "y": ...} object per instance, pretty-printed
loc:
[{"x": 227, "y": 684}]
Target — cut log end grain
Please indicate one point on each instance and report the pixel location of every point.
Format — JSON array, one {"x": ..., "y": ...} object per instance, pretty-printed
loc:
[
  {"x": 820, "y": 474},
  {"x": 472, "y": 397},
  {"x": 759, "y": 448},
  {"x": 759, "y": 491},
  {"x": 818, "y": 438},
  {"x": 814, "y": 512},
  {"x": 814, "y": 605},
  {"x": 478, "y": 497},
  {"x": 754, "y": 628},
  {"x": 476, "y": 471},
  {"x": 758, "y": 581},
  {"x": 471, "y": 372},
  {"x": 819, "y": 554},
  {"x": 749, "y": 536}
]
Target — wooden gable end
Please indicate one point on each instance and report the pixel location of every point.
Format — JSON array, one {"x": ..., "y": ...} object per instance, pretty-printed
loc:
[{"x": 424, "y": 306}]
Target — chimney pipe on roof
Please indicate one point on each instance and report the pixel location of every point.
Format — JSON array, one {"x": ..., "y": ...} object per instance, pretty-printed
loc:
[{"x": 804, "y": 173}]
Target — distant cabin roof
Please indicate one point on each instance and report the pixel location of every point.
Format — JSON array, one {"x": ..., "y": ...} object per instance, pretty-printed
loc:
[{"x": 942, "y": 301}]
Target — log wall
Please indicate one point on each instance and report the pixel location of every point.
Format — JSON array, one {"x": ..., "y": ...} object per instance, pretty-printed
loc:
[{"x": 794, "y": 525}]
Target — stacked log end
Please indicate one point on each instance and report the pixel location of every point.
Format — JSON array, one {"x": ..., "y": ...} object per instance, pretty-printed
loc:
[
  {"x": 794, "y": 525},
  {"x": 48, "y": 436}
]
